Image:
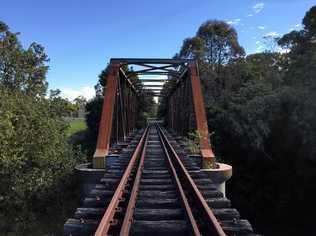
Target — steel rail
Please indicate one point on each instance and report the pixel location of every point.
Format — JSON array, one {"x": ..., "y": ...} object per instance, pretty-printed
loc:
[
  {"x": 184, "y": 199},
  {"x": 108, "y": 217},
  {"x": 182, "y": 179},
  {"x": 128, "y": 218},
  {"x": 210, "y": 221},
  {"x": 131, "y": 205}
]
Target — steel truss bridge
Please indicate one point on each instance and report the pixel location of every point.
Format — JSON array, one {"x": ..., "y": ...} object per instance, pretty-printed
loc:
[{"x": 151, "y": 184}]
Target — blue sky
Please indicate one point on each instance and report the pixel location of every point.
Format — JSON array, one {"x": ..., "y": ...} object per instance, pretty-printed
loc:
[{"x": 80, "y": 36}]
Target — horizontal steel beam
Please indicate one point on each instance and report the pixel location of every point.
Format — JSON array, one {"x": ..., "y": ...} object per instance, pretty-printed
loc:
[
  {"x": 150, "y": 60},
  {"x": 153, "y": 89},
  {"x": 153, "y": 80},
  {"x": 152, "y": 92},
  {"x": 153, "y": 85},
  {"x": 158, "y": 89},
  {"x": 149, "y": 68},
  {"x": 159, "y": 73}
]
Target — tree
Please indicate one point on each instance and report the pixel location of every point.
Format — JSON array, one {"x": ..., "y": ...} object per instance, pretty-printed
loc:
[
  {"x": 163, "y": 101},
  {"x": 61, "y": 106},
  {"x": 302, "y": 51},
  {"x": 300, "y": 76},
  {"x": 215, "y": 44},
  {"x": 266, "y": 129},
  {"x": 80, "y": 101},
  {"x": 267, "y": 67},
  {"x": 310, "y": 23},
  {"x": 36, "y": 160},
  {"x": 93, "y": 116},
  {"x": 145, "y": 100},
  {"x": 262, "y": 110},
  {"x": 22, "y": 69}
]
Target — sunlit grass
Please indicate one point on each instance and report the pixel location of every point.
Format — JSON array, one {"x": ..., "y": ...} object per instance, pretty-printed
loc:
[{"x": 75, "y": 126}]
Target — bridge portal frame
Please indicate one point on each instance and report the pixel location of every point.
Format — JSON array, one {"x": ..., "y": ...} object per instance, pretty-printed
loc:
[{"x": 179, "y": 68}]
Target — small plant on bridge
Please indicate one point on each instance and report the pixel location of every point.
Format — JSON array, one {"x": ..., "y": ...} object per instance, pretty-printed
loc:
[{"x": 193, "y": 142}]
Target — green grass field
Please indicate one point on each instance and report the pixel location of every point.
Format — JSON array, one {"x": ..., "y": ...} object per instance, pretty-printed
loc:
[{"x": 75, "y": 126}]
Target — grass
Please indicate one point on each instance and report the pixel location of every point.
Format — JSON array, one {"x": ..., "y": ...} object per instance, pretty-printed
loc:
[{"x": 75, "y": 126}]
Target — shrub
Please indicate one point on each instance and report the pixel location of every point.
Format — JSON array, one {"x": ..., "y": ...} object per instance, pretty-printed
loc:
[{"x": 35, "y": 158}]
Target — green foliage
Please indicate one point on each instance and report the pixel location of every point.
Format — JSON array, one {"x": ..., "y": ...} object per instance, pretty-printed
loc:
[
  {"x": 214, "y": 46},
  {"x": 265, "y": 126},
  {"x": 220, "y": 57},
  {"x": 302, "y": 54},
  {"x": 146, "y": 103},
  {"x": 215, "y": 43},
  {"x": 80, "y": 101},
  {"x": 242, "y": 115},
  {"x": 163, "y": 101},
  {"x": 262, "y": 110},
  {"x": 93, "y": 117},
  {"x": 36, "y": 160},
  {"x": 309, "y": 21},
  {"x": 61, "y": 106},
  {"x": 35, "y": 156},
  {"x": 193, "y": 142},
  {"x": 266, "y": 67},
  {"x": 22, "y": 69}
]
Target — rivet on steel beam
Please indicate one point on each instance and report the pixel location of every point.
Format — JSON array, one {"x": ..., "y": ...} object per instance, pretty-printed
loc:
[
  {"x": 114, "y": 222},
  {"x": 122, "y": 199},
  {"x": 118, "y": 209}
]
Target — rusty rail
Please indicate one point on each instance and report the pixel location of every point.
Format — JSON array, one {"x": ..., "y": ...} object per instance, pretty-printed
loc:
[
  {"x": 131, "y": 205},
  {"x": 211, "y": 224},
  {"x": 132, "y": 201},
  {"x": 202, "y": 221},
  {"x": 108, "y": 217},
  {"x": 184, "y": 199}
]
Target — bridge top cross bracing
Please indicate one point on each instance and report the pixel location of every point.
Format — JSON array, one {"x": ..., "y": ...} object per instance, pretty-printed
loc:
[{"x": 146, "y": 68}]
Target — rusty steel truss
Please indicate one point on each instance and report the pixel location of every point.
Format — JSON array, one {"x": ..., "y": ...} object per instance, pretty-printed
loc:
[{"x": 120, "y": 106}]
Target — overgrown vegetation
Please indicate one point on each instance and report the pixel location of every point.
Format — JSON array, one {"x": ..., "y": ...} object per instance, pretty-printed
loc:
[
  {"x": 262, "y": 108},
  {"x": 36, "y": 160}
]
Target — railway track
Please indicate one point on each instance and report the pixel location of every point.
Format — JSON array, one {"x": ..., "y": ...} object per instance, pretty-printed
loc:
[{"x": 156, "y": 192}]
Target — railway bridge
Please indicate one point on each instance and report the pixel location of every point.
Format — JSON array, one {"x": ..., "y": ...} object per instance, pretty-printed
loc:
[{"x": 145, "y": 180}]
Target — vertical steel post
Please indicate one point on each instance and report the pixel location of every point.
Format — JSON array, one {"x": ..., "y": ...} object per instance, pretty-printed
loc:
[
  {"x": 200, "y": 115},
  {"x": 105, "y": 126}
]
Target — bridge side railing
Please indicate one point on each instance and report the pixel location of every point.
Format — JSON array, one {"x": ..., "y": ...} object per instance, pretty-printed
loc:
[
  {"x": 186, "y": 111},
  {"x": 119, "y": 112}
]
